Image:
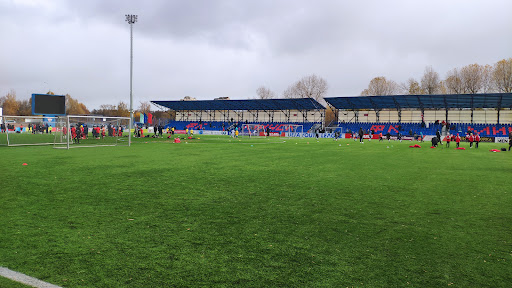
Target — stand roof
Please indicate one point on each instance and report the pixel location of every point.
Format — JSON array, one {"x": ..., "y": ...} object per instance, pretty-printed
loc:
[
  {"x": 251, "y": 104},
  {"x": 444, "y": 101}
]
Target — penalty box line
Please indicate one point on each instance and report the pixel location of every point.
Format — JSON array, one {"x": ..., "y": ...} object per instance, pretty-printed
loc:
[{"x": 25, "y": 279}]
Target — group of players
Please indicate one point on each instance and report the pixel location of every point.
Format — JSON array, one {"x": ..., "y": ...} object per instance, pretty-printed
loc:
[
  {"x": 470, "y": 137},
  {"x": 81, "y": 131},
  {"x": 360, "y": 135},
  {"x": 473, "y": 138},
  {"x": 158, "y": 131}
]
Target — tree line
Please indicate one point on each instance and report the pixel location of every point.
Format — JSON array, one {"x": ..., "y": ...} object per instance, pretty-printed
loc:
[
  {"x": 470, "y": 79},
  {"x": 18, "y": 107},
  {"x": 310, "y": 86},
  {"x": 14, "y": 107}
]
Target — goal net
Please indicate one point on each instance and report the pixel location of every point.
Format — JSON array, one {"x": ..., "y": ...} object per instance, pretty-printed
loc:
[
  {"x": 253, "y": 130},
  {"x": 292, "y": 130},
  {"x": 92, "y": 131},
  {"x": 28, "y": 130}
]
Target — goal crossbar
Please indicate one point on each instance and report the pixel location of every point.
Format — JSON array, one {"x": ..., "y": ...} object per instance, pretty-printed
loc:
[
  {"x": 106, "y": 131},
  {"x": 44, "y": 130},
  {"x": 293, "y": 130}
]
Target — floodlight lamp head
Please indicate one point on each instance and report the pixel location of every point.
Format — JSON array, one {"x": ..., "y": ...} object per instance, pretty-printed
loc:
[{"x": 131, "y": 18}]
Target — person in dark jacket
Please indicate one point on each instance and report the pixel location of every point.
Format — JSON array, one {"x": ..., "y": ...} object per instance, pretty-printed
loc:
[
  {"x": 438, "y": 136},
  {"x": 509, "y": 140},
  {"x": 434, "y": 141},
  {"x": 361, "y": 134}
]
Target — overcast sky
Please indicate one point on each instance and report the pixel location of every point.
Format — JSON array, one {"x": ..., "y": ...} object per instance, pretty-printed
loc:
[{"x": 208, "y": 49}]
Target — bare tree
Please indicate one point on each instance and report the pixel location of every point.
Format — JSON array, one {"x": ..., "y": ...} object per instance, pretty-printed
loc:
[
  {"x": 110, "y": 110},
  {"x": 453, "y": 82},
  {"x": 265, "y": 93},
  {"x": 380, "y": 86},
  {"x": 145, "y": 107},
  {"x": 430, "y": 81},
  {"x": 487, "y": 83},
  {"x": 25, "y": 107},
  {"x": 502, "y": 75},
  {"x": 411, "y": 87},
  {"x": 308, "y": 87},
  {"x": 471, "y": 76},
  {"x": 442, "y": 88}
]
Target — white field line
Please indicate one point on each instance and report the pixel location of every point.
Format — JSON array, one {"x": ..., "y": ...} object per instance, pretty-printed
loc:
[{"x": 25, "y": 279}]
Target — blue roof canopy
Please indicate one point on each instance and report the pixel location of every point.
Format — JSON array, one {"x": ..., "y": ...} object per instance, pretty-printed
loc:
[
  {"x": 251, "y": 104},
  {"x": 444, "y": 101}
]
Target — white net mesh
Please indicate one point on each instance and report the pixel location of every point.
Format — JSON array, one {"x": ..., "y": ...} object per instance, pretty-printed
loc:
[
  {"x": 28, "y": 130},
  {"x": 93, "y": 131},
  {"x": 253, "y": 130},
  {"x": 292, "y": 130}
]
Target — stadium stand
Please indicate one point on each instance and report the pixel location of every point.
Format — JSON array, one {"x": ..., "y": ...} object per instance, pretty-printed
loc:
[
  {"x": 488, "y": 114},
  {"x": 222, "y": 115}
]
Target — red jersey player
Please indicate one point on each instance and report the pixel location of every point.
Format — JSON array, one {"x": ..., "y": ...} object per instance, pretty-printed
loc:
[
  {"x": 470, "y": 139},
  {"x": 73, "y": 132},
  {"x": 477, "y": 140},
  {"x": 457, "y": 140}
]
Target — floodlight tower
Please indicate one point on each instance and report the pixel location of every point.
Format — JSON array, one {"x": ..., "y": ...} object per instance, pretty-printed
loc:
[{"x": 131, "y": 19}]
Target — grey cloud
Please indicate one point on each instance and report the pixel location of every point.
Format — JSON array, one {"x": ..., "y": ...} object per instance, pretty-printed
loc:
[{"x": 229, "y": 48}]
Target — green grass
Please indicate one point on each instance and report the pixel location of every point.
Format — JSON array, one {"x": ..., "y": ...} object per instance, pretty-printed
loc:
[
  {"x": 6, "y": 283},
  {"x": 258, "y": 213}
]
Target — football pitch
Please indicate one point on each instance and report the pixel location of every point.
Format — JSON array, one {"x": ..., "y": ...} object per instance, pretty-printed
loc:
[{"x": 223, "y": 212}]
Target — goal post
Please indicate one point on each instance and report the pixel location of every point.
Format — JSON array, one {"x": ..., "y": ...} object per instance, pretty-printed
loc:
[
  {"x": 252, "y": 130},
  {"x": 58, "y": 131},
  {"x": 336, "y": 131},
  {"x": 28, "y": 130},
  {"x": 292, "y": 130},
  {"x": 92, "y": 131}
]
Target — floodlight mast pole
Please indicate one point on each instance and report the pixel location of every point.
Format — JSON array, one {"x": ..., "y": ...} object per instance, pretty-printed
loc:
[{"x": 131, "y": 19}]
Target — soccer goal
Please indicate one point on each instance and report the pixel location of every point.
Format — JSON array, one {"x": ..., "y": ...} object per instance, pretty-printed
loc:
[
  {"x": 292, "y": 130},
  {"x": 92, "y": 131},
  {"x": 28, "y": 130},
  {"x": 252, "y": 130},
  {"x": 336, "y": 132}
]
